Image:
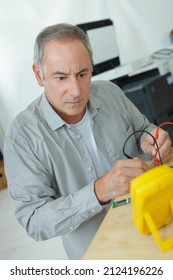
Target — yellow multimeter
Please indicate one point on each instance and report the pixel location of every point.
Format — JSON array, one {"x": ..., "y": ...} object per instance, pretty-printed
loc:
[{"x": 152, "y": 203}]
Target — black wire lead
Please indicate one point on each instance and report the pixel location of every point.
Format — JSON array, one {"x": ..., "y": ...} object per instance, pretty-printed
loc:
[{"x": 142, "y": 131}]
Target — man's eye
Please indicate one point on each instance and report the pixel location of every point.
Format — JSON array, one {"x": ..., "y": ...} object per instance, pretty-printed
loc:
[
  {"x": 82, "y": 75},
  {"x": 61, "y": 78}
]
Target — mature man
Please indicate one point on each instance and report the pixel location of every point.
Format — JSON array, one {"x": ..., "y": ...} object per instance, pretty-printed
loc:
[{"x": 64, "y": 154}]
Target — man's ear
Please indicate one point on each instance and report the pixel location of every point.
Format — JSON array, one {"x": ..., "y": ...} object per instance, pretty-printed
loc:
[{"x": 38, "y": 74}]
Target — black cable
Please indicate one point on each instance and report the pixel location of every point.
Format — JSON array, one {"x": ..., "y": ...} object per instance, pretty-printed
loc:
[{"x": 142, "y": 131}]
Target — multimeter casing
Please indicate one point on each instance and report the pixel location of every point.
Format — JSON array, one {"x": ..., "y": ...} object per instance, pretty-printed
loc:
[{"x": 152, "y": 200}]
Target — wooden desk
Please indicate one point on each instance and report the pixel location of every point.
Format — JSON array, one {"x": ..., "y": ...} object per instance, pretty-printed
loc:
[{"x": 118, "y": 238}]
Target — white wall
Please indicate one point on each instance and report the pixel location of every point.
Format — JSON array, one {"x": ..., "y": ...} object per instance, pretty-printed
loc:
[{"x": 141, "y": 27}]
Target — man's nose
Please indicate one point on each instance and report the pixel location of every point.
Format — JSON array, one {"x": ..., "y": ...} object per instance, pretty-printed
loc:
[{"x": 75, "y": 87}]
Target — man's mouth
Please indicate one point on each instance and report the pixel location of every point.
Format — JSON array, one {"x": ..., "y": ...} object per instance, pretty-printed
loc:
[{"x": 75, "y": 102}]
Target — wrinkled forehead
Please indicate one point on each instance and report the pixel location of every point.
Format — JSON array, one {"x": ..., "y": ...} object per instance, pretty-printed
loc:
[
  {"x": 67, "y": 56},
  {"x": 66, "y": 50}
]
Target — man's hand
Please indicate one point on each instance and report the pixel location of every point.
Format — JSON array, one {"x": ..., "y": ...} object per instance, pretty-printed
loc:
[
  {"x": 117, "y": 180},
  {"x": 163, "y": 141}
]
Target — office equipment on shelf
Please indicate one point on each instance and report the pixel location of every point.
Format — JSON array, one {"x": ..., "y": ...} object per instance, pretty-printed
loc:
[
  {"x": 164, "y": 59},
  {"x": 106, "y": 60},
  {"x": 135, "y": 69},
  {"x": 164, "y": 53},
  {"x": 152, "y": 203}
]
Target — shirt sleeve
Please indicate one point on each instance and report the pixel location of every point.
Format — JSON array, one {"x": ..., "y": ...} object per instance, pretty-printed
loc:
[{"x": 39, "y": 208}]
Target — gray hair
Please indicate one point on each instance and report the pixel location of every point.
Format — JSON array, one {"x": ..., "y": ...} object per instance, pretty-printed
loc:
[{"x": 60, "y": 31}]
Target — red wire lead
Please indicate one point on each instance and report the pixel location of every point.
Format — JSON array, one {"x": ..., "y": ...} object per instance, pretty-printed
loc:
[{"x": 156, "y": 161}]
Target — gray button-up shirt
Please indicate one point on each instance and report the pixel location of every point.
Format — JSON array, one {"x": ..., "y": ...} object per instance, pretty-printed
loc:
[{"x": 50, "y": 172}]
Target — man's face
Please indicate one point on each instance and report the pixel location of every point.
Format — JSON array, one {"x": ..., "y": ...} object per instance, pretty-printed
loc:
[{"x": 66, "y": 77}]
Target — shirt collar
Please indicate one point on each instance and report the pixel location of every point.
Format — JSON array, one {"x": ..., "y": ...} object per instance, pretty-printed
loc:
[
  {"x": 55, "y": 121},
  {"x": 94, "y": 103},
  {"x": 52, "y": 118}
]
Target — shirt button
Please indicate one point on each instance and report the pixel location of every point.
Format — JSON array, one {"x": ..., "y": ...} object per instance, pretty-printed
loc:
[
  {"x": 71, "y": 228},
  {"x": 78, "y": 136},
  {"x": 90, "y": 168},
  {"x": 93, "y": 211}
]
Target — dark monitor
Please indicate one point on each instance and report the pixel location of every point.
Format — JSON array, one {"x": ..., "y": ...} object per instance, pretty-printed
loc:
[
  {"x": 154, "y": 98},
  {"x": 103, "y": 41},
  {"x": 159, "y": 94}
]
